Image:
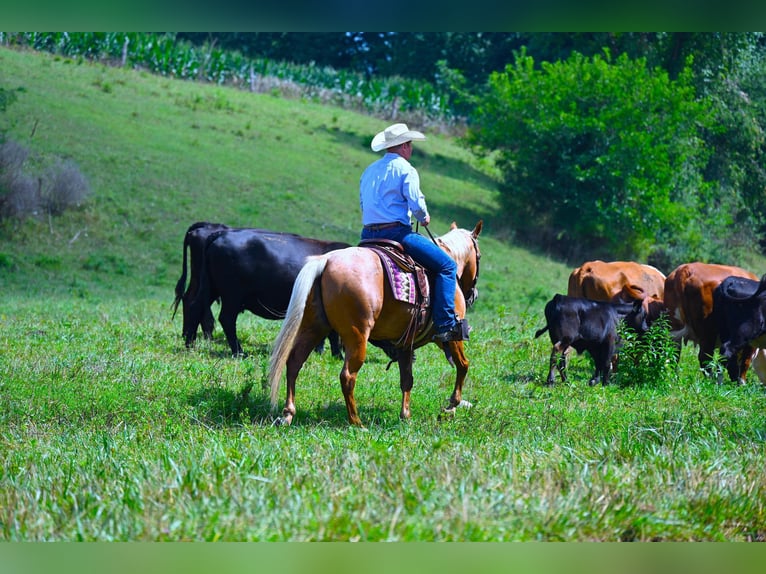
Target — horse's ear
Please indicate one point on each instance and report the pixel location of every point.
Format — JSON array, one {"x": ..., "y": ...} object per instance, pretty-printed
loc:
[
  {"x": 477, "y": 229},
  {"x": 453, "y": 226}
]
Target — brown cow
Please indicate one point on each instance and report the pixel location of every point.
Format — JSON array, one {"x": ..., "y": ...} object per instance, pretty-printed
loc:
[
  {"x": 689, "y": 301},
  {"x": 616, "y": 281},
  {"x": 620, "y": 282}
]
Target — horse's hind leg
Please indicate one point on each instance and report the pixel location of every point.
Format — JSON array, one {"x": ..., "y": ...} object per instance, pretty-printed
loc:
[
  {"x": 300, "y": 353},
  {"x": 356, "y": 352}
]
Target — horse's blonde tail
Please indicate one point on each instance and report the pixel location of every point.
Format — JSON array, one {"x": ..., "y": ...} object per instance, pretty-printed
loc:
[{"x": 283, "y": 344}]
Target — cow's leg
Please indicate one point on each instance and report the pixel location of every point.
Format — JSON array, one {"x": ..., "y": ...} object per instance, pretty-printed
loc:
[
  {"x": 737, "y": 362},
  {"x": 457, "y": 350},
  {"x": 228, "y": 319},
  {"x": 558, "y": 361},
  {"x": 189, "y": 326},
  {"x": 356, "y": 352},
  {"x": 208, "y": 323},
  {"x": 404, "y": 358},
  {"x": 746, "y": 357},
  {"x": 707, "y": 350},
  {"x": 596, "y": 355},
  {"x": 602, "y": 360},
  {"x": 758, "y": 363},
  {"x": 335, "y": 345},
  {"x": 608, "y": 354},
  {"x": 562, "y": 363}
]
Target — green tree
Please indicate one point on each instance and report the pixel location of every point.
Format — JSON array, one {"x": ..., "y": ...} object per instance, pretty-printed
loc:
[{"x": 603, "y": 158}]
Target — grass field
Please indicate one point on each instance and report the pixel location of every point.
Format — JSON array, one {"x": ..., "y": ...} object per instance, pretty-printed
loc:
[{"x": 111, "y": 430}]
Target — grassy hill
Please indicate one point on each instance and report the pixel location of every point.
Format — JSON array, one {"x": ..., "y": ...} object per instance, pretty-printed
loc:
[
  {"x": 161, "y": 154},
  {"x": 111, "y": 430}
]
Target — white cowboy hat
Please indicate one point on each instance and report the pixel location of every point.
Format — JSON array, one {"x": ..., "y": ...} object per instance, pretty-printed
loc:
[{"x": 394, "y": 135}]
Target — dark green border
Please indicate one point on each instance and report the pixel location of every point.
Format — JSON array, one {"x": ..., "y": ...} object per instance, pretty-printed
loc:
[{"x": 424, "y": 15}]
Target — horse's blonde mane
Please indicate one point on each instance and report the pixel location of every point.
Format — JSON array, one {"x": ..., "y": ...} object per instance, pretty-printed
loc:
[{"x": 457, "y": 243}]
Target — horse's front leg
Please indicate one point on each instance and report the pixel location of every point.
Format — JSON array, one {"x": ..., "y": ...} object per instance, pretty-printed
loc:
[
  {"x": 461, "y": 366},
  {"x": 405, "y": 381}
]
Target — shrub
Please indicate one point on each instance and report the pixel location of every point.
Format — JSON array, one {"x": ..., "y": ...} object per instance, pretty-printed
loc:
[
  {"x": 18, "y": 193},
  {"x": 601, "y": 156},
  {"x": 647, "y": 360},
  {"x": 65, "y": 187},
  {"x": 62, "y": 186}
]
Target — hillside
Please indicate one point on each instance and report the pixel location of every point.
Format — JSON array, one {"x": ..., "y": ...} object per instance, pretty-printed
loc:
[
  {"x": 112, "y": 430},
  {"x": 161, "y": 153}
]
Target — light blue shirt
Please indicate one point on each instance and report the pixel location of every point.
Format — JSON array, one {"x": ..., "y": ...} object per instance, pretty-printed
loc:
[{"x": 389, "y": 191}]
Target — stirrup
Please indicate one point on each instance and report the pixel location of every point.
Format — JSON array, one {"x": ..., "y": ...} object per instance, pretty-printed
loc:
[{"x": 459, "y": 332}]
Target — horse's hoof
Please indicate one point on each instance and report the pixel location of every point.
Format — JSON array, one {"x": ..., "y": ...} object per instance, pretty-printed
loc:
[
  {"x": 282, "y": 422},
  {"x": 465, "y": 404}
]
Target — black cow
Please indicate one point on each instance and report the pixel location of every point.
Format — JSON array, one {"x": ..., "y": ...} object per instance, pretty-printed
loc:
[
  {"x": 739, "y": 309},
  {"x": 194, "y": 242},
  {"x": 254, "y": 270},
  {"x": 587, "y": 325}
]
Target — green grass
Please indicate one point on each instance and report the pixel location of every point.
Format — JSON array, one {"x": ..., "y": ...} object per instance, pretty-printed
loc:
[{"x": 111, "y": 430}]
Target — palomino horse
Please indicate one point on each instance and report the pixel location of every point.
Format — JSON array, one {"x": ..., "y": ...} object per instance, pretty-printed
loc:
[{"x": 347, "y": 291}]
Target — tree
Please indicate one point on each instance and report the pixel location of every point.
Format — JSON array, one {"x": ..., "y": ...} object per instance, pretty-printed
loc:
[{"x": 603, "y": 157}]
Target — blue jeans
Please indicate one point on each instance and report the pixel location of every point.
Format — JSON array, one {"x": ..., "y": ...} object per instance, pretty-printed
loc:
[{"x": 433, "y": 258}]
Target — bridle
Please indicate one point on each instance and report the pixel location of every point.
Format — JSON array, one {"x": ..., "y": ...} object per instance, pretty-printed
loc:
[{"x": 473, "y": 292}]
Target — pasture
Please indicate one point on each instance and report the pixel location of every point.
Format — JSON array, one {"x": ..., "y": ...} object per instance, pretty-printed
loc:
[{"x": 112, "y": 430}]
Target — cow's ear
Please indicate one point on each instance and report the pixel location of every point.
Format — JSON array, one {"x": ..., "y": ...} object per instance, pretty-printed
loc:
[{"x": 452, "y": 226}]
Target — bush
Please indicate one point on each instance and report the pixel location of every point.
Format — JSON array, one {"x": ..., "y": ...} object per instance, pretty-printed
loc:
[
  {"x": 602, "y": 158},
  {"x": 64, "y": 187},
  {"x": 647, "y": 360},
  {"x": 60, "y": 187}
]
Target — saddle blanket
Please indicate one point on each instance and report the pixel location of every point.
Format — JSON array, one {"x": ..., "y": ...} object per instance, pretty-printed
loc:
[{"x": 402, "y": 283}]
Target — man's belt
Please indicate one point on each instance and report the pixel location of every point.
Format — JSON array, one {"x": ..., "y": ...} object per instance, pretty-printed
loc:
[{"x": 379, "y": 226}]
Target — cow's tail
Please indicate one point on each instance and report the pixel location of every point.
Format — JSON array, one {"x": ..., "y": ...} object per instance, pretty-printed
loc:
[
  {"x": 181, "y": 285},
  {"x": 685, "y": 333},
  {"x": 202, "y": 298},
  {"x": 283, "y": 344},
  {"x": 541, "y": 331}
]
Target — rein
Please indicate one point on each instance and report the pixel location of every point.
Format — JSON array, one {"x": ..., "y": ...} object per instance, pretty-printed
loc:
[{"x": 472, "y": 293}]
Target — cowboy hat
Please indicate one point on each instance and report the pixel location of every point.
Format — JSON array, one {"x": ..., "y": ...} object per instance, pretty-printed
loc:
[{"x": 394, "y": 135}]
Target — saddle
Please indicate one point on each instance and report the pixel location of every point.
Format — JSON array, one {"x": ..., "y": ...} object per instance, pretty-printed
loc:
[{"x": 409, "y": 283}]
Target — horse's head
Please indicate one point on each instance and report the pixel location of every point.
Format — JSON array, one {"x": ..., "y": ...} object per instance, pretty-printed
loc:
[{"x": 463, "y": 247}]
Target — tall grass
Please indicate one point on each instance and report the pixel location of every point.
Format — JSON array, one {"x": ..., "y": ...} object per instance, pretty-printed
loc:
[{"x": 110, "y": 429}]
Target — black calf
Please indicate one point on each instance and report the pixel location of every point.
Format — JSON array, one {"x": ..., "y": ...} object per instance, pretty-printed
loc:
[{"x": 587, "y": 325}]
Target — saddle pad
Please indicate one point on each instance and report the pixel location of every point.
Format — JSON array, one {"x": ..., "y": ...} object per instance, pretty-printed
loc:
[{"x": 402, "y": 283}]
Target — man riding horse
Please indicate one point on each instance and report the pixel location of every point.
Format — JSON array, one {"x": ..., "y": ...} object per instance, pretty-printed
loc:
[
  {"x": 389, "y": 195},
  {"x": 348, "y": 290}
]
